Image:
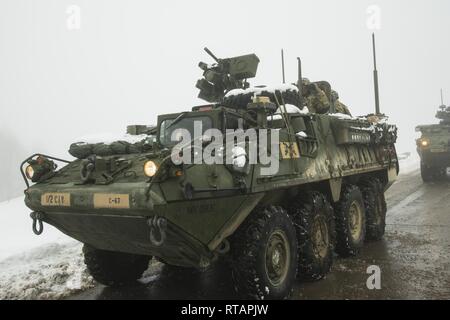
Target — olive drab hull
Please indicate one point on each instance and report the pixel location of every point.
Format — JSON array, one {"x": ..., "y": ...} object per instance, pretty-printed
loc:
[
  {"x": 158, "y": 217},
  {"x": 142, "y": 194}
]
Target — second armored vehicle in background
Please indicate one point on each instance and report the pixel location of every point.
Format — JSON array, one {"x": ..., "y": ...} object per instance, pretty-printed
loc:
[{"x": 434, "y": 146}]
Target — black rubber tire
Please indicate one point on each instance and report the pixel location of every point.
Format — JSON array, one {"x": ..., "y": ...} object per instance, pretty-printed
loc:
[
  {"x": 375, "y": 208},
  {"x": 346, "y": 245},
  {"x": 240, "y": 101},
  {"x": 114, "y": 268},
  {"x": 426, "y": 172},
  {"x": 248, "y": 253},
  {"x": 305, "y": 212},
  {"x": 440, "y": 173}
]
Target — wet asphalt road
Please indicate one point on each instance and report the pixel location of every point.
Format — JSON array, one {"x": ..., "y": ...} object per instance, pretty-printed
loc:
[{"x": 414, "y": 259}]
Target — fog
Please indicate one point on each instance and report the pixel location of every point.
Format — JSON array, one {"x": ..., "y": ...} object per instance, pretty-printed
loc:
[{"x": 128, "y": 61}]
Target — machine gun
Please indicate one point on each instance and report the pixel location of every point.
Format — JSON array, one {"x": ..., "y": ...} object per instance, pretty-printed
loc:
[{"x": 225, "y": 75}]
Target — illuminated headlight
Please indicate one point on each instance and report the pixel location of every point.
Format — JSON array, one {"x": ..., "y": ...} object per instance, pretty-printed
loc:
[
  {"x": 150, "y": 168},
  {"x": 40, "y": 169},
  {"x": 424, "y": 143},
  {"x": 29, "y": 171}
]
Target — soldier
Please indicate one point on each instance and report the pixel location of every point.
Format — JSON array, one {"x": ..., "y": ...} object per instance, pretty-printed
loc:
[
  {"x": 339, "y": 106},
  {"x": 315, "y": 98}
]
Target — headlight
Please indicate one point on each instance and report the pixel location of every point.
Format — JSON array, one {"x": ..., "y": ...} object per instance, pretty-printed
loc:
[
  {"x": 150, "y": 168},
  {"x": 29, "y": 171},
  {"x": 424, "y": 143}
]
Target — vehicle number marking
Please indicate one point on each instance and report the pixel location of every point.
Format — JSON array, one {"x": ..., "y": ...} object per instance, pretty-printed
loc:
[
  {"x": 116, "y": 201},
  {"x": 56, "y": 199}
]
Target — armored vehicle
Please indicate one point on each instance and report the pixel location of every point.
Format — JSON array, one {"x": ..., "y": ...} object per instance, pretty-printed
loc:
[
  {"x": 434, "y": 146},
  {"x": 286, "y": 191}
]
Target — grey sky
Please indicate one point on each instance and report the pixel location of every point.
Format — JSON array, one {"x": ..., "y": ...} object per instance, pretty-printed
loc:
[{"x": 132, "y": 60}]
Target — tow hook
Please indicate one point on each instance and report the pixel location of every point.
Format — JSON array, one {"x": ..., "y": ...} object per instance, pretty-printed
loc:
[
  {"x": 38, "y": 226},
  {"x": 158, "y": 227}
]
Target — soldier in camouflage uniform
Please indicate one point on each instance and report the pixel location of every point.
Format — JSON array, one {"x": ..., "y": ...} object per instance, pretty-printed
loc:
[
  {"x": 339, "y": 106},
  {"x": 315, "y": 98}
]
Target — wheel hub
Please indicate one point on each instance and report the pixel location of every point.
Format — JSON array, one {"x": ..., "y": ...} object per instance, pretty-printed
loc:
[
  {"x": 277, "y": 257},
  {"x": 355, "y": 220},
  {"x": 320, "y": 238}
]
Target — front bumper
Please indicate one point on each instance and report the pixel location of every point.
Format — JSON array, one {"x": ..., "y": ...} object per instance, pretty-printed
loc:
[
  {"x": 435, "y": 157},
  {"x": 131, "y": 234},
  {"x": 117, "y": 228}
]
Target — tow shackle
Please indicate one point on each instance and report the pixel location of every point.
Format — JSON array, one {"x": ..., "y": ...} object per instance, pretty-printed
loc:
[
  {"x": 158, "y": 227},
  {"x": 38, "y": 225}
]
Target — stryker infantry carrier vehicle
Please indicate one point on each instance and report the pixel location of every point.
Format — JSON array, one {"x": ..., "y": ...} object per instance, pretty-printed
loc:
[
  {"x": 318, "y": 188},
  {"x": 434, "y": 146}
]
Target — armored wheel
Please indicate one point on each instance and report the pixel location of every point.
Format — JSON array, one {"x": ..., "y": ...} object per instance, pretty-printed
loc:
[
  {"x": 264, "y": 255},
  {"x": 375, "y": 208},
  {"x": 314, "y": 224},
  {"x": 426, "y": 172},
  {"x": 114, "y": 268},
  {"x": 350, "y": 221}
]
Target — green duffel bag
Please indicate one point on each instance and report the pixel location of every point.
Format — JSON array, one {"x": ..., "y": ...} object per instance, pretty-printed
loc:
[{"x": 81, "y": 150}]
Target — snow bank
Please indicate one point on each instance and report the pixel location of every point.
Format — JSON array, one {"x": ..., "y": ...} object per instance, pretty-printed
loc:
[
  {"x": 52, "y": 271},
  {"x": 109, "y": 138},
  {"x": 49, "y": 266}
]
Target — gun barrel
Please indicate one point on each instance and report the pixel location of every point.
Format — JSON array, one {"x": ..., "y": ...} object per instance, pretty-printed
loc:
[{"x": 211, "y": 54}]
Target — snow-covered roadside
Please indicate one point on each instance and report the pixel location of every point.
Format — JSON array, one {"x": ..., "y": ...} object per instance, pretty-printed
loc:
[
  {"x": 52, "y": 271},
  {"x": 409, "y": 163},
  {"x": 49, "y": 266}
]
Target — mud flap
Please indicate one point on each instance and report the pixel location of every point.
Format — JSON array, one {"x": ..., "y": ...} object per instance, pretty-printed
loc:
[{"x": 335, "y": 188}]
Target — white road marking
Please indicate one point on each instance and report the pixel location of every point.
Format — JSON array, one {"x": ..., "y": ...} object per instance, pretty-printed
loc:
[{"x": 405, "y": 202}]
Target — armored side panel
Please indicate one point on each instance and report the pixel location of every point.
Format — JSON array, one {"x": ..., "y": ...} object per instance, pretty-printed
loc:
[{"x": 351, "y": 131}]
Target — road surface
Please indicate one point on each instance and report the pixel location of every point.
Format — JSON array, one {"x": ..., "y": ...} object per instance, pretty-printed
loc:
[{"x": 414, "y": 259}]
